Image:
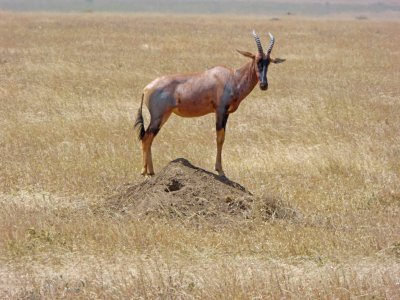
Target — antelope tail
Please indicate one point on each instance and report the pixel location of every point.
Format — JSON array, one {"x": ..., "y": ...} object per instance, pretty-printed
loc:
[{"x": 139, "y": 123}]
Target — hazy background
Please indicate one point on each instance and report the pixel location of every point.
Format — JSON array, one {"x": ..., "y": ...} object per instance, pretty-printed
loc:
[{"x": 298, "y": 7}]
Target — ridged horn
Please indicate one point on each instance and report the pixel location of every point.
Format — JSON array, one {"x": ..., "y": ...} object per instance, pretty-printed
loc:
[
  {"x": 271, "y": 43},
  {"x": 258, "y": 42}
]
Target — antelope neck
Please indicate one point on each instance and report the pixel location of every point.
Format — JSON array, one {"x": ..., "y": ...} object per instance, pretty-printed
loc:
[{"x": 245, "y": 79}]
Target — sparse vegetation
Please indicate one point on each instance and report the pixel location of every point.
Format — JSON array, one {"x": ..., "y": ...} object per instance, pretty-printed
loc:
[{"x": 324, "y": 139}]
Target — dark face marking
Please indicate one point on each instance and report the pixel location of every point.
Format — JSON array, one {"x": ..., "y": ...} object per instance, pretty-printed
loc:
[{"x": 262, "y": 69}]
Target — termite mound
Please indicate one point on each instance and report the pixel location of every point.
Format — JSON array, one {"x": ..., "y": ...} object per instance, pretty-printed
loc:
[{"x": 181, "y": 190}]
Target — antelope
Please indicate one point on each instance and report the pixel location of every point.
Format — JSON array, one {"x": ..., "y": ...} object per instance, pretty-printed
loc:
[{"x": 217, "y": 90}]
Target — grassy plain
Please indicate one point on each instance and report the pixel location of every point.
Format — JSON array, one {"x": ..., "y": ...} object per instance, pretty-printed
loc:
[{"x": 324, "y": 138}]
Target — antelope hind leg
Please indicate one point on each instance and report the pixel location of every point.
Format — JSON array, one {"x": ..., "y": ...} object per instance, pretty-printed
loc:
[
  {"x": 147, "y": 141},
  {"x": 146, "y": 148}
]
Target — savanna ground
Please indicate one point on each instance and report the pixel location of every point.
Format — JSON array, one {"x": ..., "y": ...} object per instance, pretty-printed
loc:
[{"x": 324, "y": 138}]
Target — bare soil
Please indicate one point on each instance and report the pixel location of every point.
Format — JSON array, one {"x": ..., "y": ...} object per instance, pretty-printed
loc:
[{"x": 181, "y": 190}]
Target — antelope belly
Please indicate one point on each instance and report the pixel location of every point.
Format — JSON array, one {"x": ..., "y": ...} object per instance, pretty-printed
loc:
[{"x": 193, "y": 107}]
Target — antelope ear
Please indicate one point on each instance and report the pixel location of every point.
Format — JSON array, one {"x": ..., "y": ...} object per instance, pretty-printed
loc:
[
  {"x": 277, "y": 60},
  {"x": 247, "y": 54}
]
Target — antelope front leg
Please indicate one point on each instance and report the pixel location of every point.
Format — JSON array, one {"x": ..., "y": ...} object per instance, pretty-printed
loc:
[
  {"x": 222, "y": 118},
  {"x": 220, "y": 143}
]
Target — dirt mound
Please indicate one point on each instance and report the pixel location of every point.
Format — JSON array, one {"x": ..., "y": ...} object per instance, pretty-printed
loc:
[{"x": 183, "y": 190}]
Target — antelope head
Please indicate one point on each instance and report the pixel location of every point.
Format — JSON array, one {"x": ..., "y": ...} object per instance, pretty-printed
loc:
[{"x": 262, "y": 60}]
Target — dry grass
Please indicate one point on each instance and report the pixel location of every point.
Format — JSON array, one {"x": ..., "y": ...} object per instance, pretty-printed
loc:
[{"x": 324, "y": 138}]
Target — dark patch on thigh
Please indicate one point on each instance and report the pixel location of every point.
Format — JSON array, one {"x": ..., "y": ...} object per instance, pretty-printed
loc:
[
  {"x": 153, "y": 130},
  {"x": 160, "y": 102}
]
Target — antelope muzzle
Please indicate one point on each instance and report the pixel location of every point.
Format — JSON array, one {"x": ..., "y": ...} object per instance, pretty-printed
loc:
[{"x": 264, "y": 86}]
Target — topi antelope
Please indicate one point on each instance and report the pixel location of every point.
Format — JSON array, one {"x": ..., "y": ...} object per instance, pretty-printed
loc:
[{"x": 219, "y": 90}]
